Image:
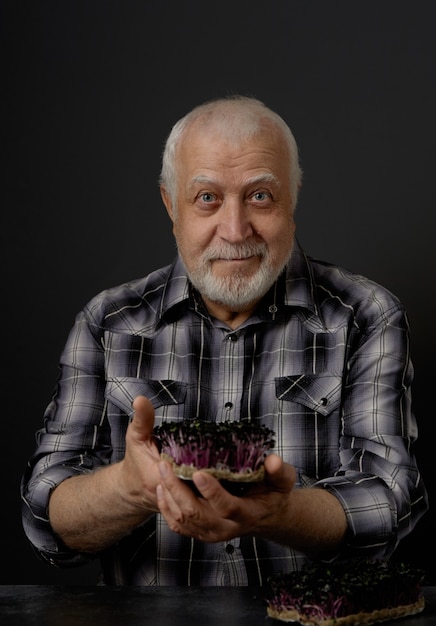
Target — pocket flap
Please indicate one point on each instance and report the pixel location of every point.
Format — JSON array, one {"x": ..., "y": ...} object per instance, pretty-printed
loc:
[
  {"x": 122, "y": 392},
  {"x": 319, "y": 392}
]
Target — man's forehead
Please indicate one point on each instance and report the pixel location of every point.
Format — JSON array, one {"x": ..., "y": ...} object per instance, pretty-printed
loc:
[
  {"x": 212, "y": 152},
  {"x": 257, "y": 179}
]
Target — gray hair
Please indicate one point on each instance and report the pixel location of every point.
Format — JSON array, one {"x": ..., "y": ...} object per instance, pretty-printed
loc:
[{"x": 238, "y": 117}]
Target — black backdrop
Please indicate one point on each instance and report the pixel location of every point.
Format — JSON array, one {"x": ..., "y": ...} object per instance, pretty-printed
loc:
[{"x": 89, "y": 92}]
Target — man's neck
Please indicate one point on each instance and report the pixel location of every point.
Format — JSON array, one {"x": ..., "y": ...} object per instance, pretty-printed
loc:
[{"x": 233, "y": 319}]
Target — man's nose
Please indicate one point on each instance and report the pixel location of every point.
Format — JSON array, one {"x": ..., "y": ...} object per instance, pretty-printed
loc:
[{"x": 235, "y": 225}]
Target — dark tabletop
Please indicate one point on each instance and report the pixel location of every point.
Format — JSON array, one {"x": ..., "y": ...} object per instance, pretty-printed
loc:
[{"x": 24, "y": 605}]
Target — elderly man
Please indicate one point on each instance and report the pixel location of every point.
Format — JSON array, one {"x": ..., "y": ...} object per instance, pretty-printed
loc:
[{"x": 242, "y": 325}]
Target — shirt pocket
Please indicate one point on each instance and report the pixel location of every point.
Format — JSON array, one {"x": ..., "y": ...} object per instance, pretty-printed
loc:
[
  {"x": 320, "y": 393},
  {"x": 121, "y": 391}
]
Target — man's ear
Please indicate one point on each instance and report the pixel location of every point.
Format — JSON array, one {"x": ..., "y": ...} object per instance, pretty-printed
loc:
[{"x": 166, "y": 199}]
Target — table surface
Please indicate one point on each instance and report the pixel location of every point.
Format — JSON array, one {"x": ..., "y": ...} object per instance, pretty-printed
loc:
[{"x": 24, "y": 605}]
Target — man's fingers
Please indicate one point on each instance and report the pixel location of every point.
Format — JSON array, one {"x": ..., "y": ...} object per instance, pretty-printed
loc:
[
  {"x": 182, "y": 494},
  {"x": 215, "y": 494},
  {"x": 176, "y": 501},
  {"x": 205, "y": 484}
]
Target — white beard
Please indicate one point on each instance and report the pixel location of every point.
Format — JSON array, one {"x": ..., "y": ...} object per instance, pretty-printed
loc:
[{"x": 237, "y": 290}]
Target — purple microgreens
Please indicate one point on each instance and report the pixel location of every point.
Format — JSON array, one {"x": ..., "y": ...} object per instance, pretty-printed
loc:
[
  {"x": 328, "y": 591},
  {"x": 239, "y": 447}
]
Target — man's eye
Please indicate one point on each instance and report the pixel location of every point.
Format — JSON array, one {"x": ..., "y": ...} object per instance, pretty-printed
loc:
[
  {"x": 260, "y": 195},
  {"x": 207, "y": 197}
]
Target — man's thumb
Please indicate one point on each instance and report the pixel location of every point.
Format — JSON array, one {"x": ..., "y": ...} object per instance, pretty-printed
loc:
[
  {"x": 281, "y": 476},
  {"x": 143, "y": 417}
]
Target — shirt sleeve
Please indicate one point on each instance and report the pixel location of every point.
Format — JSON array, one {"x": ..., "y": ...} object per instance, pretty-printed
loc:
[
  {"x": 75, "y": 438},
  {"x": 378, "y": 483}
]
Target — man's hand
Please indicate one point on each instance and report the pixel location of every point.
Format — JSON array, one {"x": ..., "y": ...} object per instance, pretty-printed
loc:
[
  {"x": 92, "y": 511},
  {"x": 139, "y": 475},
  {"x": 220, "y": 516},
  {"x": 311, "y": 520}
]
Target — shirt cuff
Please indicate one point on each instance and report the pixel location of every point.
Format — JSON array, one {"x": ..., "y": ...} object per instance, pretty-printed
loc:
[{"x": 370, "y": 510}]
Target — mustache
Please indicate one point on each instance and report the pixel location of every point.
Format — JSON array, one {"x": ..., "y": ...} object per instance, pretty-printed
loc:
[{"x": 236, "y": 251}]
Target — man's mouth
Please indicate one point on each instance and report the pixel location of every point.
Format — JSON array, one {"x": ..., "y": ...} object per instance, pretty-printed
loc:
[
  {"x": 244, "y": 253},
  {"x": 235, "y": 258}
]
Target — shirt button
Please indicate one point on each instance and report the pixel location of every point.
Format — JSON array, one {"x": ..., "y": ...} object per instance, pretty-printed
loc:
[
  {"x": 324, "y": 401},
  {"x": 228, "y": 405},
  {"x": 230, "y": 548},
  {"x": 232, "y": 337}
]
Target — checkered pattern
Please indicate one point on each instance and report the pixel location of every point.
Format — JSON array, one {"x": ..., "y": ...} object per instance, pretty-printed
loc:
[{"x": 324, "y": 362}]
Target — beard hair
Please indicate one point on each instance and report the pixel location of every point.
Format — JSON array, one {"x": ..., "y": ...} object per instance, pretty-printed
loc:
[{"x": 236, "y": 290}]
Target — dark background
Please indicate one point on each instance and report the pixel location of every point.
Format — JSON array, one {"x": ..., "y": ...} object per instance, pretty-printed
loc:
[{"x": 89, "y": 91}]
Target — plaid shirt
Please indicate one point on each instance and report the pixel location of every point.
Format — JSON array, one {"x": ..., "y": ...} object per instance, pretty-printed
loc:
[{"x": 324, "y": 362}]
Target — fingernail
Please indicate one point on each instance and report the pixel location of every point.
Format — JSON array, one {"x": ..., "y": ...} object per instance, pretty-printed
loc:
[
  {"x": 200, "y": 480},
  {"x": 163, "y": 469}
]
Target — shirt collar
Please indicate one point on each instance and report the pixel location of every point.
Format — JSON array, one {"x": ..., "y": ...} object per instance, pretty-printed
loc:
[
  {"x": 176, "y": 289},
  {"x": 300, "y": 285}
]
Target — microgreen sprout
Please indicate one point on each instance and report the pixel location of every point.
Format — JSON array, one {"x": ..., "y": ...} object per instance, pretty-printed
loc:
[
  {"x": 329, "y": 591},
  {"x": 235, "y": 446}
]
